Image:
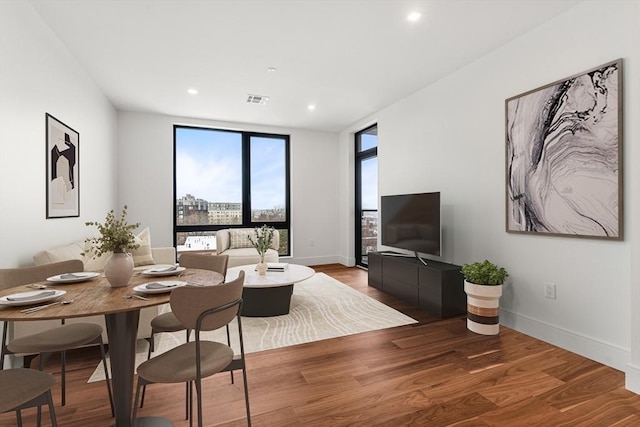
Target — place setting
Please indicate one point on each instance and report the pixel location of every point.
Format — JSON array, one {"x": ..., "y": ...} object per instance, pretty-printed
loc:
[
  {"x": 31, "y": 297},
  {"x": 76, "y": 277},
  {"x": 163, "y": 270},
  {"x": 159, "y": 287}
]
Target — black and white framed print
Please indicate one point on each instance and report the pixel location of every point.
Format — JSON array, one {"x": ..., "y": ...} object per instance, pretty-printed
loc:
[
  {"x": 63, "y": 169},
  {"x": 564, "y": 157}
]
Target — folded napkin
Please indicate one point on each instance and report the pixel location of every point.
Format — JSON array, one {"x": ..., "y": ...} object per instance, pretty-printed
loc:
[
  {"x": 162, "y": 270},
  {"x": 30, "y": 297},
  {"x": 71, "y": 276},
  {"x": 157, "y": 285}
]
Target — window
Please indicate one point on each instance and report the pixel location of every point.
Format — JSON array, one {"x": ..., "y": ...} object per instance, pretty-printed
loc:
[
  {"x": 225, "y": 179},
  {"x": 366, "y": 193}
]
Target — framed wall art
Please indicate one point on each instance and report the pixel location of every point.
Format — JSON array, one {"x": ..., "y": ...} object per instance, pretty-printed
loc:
[
  {"x": 564, "y": 157},
  {"x": 63, "y": 169}
]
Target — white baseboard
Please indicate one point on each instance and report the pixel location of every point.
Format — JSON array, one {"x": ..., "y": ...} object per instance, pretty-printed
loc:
[
  {"x": 632, "y": 378},
  {"x": 321, "y": 260},
  {"x": 600, "y": 351}
]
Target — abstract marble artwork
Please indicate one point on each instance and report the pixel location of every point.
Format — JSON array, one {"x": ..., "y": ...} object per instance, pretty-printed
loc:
[{"x": 564, "y": 156}]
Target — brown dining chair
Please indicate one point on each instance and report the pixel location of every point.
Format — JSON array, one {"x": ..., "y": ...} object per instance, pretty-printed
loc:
[
  {"x": 167, "y": 322},
  {"x": 59, "y": 339},
  {"x": 199, "y": 308},
  {"x": 22, "y": 388}
]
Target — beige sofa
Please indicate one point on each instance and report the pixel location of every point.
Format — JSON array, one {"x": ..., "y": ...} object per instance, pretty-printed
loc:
[
  {"x": 144, "y": 257},
  {"x": 235, "y": 243}
]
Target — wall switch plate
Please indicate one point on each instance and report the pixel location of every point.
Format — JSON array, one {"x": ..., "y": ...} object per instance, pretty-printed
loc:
[{"x": 550, "y": 290}]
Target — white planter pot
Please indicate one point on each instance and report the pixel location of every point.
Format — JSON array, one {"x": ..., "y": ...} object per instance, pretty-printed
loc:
[
  {"x": 483, "y": 306},
  {"x": 118, "y": 269}
]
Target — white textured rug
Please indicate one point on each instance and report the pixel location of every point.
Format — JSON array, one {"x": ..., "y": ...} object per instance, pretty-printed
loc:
[{"x": 321, "y": 308}]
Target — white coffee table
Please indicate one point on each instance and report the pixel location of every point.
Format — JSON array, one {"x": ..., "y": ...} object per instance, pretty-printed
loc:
[{"x": 268, "y": 295}]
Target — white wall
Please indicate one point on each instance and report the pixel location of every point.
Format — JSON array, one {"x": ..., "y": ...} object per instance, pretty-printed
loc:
[
  {"x": 38, "y": 76},
  {"x": 145, "y": 165},
  {"x": 449, "y": 137}
]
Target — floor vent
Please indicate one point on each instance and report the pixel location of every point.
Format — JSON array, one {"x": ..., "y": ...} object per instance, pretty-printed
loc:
[{"x": 257, "y": 99}]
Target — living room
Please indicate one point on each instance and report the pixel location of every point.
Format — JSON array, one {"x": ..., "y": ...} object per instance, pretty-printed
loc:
[{"x": 448, "y": 137}]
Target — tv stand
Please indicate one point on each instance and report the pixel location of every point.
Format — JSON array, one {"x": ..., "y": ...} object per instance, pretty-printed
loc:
[{"x": 435, "y": 287}]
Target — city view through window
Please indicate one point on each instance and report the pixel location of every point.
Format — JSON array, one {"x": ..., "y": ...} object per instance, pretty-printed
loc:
[{"x": 215, "y": 171}]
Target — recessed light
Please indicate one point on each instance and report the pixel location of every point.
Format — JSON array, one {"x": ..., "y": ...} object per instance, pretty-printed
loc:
[
  {"x": 271, "y": 69},
  {"x": 414, "y": 16},
  {"x": 311, "y": 107},
  {"x": 192, "y": 91}
]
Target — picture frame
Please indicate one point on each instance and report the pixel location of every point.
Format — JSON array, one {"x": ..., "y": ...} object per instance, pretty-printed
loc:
[
  {"x": 62, "y": 169},
  {"x": 564, "y": 157}
]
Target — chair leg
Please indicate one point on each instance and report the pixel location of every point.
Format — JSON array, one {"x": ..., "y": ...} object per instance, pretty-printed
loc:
[
  {"x": 229, "y": 344},
  {"x": 152, "y": 344},
  {"x": 134, "y": 416},
  {"x": 52, "y": 412},
  {"x": 246, "y": 393},
  {"x": 199, "y": 400},
  {"x": 19, "y": 417},
  {"x": 106, "y": 376}
]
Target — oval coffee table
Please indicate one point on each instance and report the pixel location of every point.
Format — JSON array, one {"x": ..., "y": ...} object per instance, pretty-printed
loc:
[{"x": 268, "y": 295}]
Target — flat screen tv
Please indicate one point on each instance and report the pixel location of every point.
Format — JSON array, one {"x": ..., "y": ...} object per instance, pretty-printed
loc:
[{"x": 412, "y": 222}]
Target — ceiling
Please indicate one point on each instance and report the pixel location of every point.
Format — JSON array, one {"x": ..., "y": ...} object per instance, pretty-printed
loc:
[{"x": 348, "y": 58}]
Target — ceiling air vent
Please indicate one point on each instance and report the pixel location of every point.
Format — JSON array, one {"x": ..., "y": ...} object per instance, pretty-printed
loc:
[{"x": 257, "y": 99}]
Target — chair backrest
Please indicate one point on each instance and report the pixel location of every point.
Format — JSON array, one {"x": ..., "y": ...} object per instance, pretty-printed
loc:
[
  {"x": 217, "y": 263},
  {"x": 188, "y": 303},
  {"x": 10, "y": 277}
]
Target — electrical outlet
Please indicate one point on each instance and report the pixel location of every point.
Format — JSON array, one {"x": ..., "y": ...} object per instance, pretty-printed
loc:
[
  {"x": 312, "y": 243},
  {"x": 550, "y": 290}
]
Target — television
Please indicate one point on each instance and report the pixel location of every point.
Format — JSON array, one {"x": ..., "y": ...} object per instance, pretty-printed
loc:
[{"x": 412, "y": 222}]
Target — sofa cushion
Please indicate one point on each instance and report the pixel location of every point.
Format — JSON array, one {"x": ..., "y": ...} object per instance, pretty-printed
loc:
[
  {"x": 62, "y": 253},
  {"x": 239, "y": 239},
  {"x": 143, "y": 255}
]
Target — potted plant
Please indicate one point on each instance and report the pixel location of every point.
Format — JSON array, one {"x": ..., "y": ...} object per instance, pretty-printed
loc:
[
  {"x": 116, "y": 238},
  {"x": 261, "y": 240},
  {"x": 483, "y": 284}
]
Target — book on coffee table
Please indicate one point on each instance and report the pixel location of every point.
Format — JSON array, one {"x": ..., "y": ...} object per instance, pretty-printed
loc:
[{"x": 277, "y": 266}]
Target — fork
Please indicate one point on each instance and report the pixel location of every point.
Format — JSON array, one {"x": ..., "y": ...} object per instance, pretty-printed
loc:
[
  {"x": 41, "y": 307},
  {"x": 135, "y": 296}
]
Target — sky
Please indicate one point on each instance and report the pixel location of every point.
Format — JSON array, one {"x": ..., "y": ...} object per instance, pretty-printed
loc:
[{"x": 209, "y": 167}]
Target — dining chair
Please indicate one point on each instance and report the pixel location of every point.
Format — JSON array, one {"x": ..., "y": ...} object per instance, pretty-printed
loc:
[
  {"x": 22, "y": 388},
  {"x": 58, "y": 339},
  {"x": 199, "y": 308},
  {"x": 167, "y": 322}
]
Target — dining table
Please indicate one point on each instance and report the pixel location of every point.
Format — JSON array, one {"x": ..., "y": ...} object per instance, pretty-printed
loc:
[{"x": 121, "y": 312}]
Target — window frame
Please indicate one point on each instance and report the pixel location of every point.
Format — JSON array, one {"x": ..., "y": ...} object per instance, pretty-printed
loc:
[{"x": 246, "y": 187}]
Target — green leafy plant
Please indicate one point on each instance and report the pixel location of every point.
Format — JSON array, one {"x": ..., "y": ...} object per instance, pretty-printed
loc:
[
  {"x": 484, "y": 273},
  {"x": 262, "y": 239},
  {"x": 115, "y": 235}
]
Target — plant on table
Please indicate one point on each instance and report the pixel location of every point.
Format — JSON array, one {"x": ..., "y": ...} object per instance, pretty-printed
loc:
[
  {"x": 261, "y": 239},
  {"x": 115, "y": 234},
  {"x": 116, "y": 237}
]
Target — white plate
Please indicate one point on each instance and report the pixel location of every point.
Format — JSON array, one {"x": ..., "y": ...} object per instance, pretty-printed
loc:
[
  {"x": 73, "y": 277},
  {"x": 163, "y": 286},
  {"x": 34, "y": 297},
  {"x": 163, "y": 270}
]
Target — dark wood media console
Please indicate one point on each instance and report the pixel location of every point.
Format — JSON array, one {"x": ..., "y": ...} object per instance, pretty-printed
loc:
[{"x": 437, "y": 287}]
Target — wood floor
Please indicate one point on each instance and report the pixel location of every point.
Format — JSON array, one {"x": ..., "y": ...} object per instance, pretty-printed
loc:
[{"x": 433, "y": 373}]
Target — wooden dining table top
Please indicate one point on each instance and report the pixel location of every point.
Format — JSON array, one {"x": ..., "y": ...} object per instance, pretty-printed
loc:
[{"x": 96, "y": 296}]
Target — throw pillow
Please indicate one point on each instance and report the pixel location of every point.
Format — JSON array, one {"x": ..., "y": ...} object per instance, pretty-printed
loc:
[
  {"x": 239, "y": 239},
  {"x": 142, "y": 255}
]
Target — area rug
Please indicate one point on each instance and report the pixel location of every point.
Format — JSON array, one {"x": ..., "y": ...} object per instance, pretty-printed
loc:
[{"x": 321, "y": 308}]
